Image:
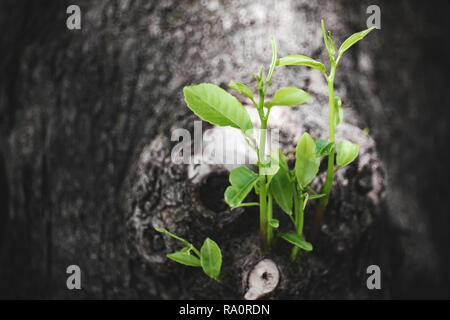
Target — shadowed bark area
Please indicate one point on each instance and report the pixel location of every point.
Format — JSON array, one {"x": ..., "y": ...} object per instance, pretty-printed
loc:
[{"x": 79, "y": 109}]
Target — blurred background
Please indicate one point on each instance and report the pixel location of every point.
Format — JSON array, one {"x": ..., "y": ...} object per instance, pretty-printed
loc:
[{"x": 76, "y": 107}]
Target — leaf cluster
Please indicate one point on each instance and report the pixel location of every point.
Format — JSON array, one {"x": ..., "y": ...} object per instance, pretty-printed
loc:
[{"x": 289, "y": 188}]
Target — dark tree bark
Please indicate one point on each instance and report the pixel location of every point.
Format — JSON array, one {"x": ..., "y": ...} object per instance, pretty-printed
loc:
[{"x": 79, "y": 109}]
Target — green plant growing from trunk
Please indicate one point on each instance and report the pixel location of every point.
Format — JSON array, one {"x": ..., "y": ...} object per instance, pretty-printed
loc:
[
  {"x": 215, "y": 105},
  {"x": 274, "y": 181},
  {"x": 346, "y": 151},
  {"x": 209, "y": 257}
]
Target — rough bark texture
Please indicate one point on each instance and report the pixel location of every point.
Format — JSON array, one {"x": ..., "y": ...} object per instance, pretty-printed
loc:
[{"x": 80, "y": 109}]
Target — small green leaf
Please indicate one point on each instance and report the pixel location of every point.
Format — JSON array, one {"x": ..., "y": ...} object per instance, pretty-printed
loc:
[
  {"x": 274, "y": 223},
  {"x": 323, "y": 148},
  {"x": 320, "y": 144},
  {"x": 213, "y": 104},
  {"x": 211, "y": 258},
  {"x": 324, "y": 32},
  {"x": 300, "y": 60},
  {"x": 185, "y": 258},
  {"x": 307, "y": 163},
  {"x": 260, "y": 81},
  {"x": 256, "y": 77},
  {"x": 271, "y": 166},
  {"x": 242, "y": 180},
  {"x": 354, "y": 38},
  {"x": 305, "y": 201},
  {"x": 331, "y": 45},
  {"x": 242, "y": 88},
  {"x": 256, "y": 188},
  {"x": 272, "y": 65},
  {"x": 289, "y": 96},
  {"x": 281, "y": 187},
  {"x": 339, "y": 112},
  {"x": 346, "y": 153},
  {"x": 297, "y": 241}
]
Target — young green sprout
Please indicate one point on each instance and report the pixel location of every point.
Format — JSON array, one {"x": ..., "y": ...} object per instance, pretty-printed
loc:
[
  {"x": 274, "y": 180},
  {"x": 307, "y": 164},
  {"x": 346, "y": 151},
  {"x": 215, "y": 105},
  {"x": 209, "y": 257}
]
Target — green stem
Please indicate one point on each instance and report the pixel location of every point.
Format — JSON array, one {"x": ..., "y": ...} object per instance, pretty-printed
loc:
[
  {"x": 185, "y": 242},
  {"x": 246, "y": 204},
  {"x": 196, "y": 252},
  {"x": 330, "y": 170},
  {"x": 312, "y": 190},
  {"x": 262, "y": 140},
  {"x": 263, "y": 222},
  {"x": 269, "y": 218},
  {"x": 265, "y": 209},
  {"x": 299, "y": 218}
]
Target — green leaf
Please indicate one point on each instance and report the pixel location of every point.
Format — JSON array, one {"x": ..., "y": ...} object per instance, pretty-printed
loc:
[
  {"x": 324, "y": 32},
  {"x": 270, "y": 166},
  {"x": 185, "y": 258},
  {"x": 346, "y": 153},
  {"x": 307, "y": 163},
  {"x": 186, "y": 249},
  {"x": 300, "y": 60},
  {"x": 260, "y": 79},
  {"x": 297, "y": 241},
  {"x": 289, "y": 96},
  {"x": 281, "y": 187},
  {"x": 331, "y": 45},
  {"x": 242, "y": 180},
  {"x": 354, "y": 38},
  {"x": 274, "y": 223},
  {"x": 256, "y": 77},
  {"x": 320, "y": 144},
  {"x": 272, "y": 65},
  {"x": 211, "y": 258},
  {"x": 323, "y": 148},
  {"x": 338, "y": 110},
  {"x": 242, "y": 88},
  {"x": 305, "y": 201},
  {"x": 215, "y": 105}
]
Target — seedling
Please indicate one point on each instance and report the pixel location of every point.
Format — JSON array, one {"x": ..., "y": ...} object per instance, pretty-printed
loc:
[
  {"x": 346, "y": 151},
  {"x": 273, "y": 180},
  {"x": 209, "y": 257}
]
